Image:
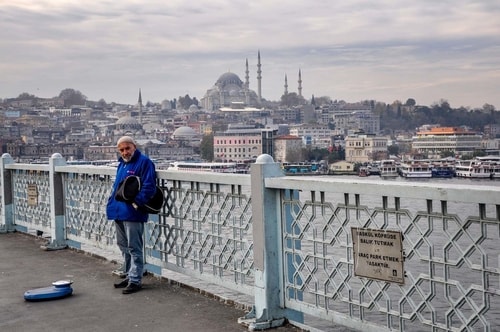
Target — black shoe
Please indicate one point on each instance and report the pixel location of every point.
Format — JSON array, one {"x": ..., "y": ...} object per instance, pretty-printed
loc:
[
  {"x": 132, "y": 288},
  {"x": 121, "y": 284}
]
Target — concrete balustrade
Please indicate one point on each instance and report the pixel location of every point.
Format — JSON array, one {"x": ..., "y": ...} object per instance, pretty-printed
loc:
[{"x": 288, "y": 241}]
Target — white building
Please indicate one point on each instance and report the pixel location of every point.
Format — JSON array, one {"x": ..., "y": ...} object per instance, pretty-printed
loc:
[
  {"x": 314, "y": 135},
  {"x": 364, "y": 148},
  {"x": 436, "y": 140}
]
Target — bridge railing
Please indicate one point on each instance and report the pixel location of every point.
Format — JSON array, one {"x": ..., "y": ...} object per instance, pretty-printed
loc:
[
  {"x": 450, "y": 240},
  {"x": 291, "y": 242}
]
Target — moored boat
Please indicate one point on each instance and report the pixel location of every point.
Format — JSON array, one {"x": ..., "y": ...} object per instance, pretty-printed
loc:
[
  {"x": 388, "y": 168},
  {"x": 415, "y": 169},
  {"x": 442, "y": 169},
  {"x": 203, "y": 167},
  {"x": 480, "y": 168}
]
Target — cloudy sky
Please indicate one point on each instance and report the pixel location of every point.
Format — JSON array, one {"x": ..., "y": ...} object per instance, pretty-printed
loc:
[{"x": 352, "y": 50}]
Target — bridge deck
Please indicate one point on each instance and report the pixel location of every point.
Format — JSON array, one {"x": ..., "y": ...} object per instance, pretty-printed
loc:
[{"x": 95, "y": 305}]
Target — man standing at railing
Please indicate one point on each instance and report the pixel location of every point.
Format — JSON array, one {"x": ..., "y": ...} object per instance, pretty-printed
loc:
[{"x": 128, "y": 217}]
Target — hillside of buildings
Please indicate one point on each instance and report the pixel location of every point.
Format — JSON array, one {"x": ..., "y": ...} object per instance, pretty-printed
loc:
[{"x": 220, "y": 128}]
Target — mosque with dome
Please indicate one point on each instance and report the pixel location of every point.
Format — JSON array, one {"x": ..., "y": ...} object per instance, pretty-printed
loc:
[
  {"x": 230, "y": 91},
  {"x": 128, "y": 125}
]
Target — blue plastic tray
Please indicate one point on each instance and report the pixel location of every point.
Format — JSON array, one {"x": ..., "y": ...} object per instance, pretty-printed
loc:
[{"x": 59, "y": 289}]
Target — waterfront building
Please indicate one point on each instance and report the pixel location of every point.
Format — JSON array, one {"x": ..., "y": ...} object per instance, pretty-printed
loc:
[
  {"x": 341, "y": 167},
  {"x": 238, "y": 143},
  {"x": 361, "y": 148},
  {"x": 436, "y": 140},
  {"x": 491, "y": 146}
]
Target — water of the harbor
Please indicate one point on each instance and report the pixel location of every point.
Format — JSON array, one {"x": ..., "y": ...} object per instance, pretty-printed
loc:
[{"x": 454, "y": 180}]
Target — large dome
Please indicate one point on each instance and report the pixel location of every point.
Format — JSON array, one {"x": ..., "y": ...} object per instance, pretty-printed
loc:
[
  {"x": 229, "y": 78},
  {"x": 184, "y": 132},
  {"x": 127, "y": 125},
  {"x": 127, "y": 120}
]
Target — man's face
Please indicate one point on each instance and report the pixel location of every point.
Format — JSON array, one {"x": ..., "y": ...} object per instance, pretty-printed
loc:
[{"x": 126, "y": 151}]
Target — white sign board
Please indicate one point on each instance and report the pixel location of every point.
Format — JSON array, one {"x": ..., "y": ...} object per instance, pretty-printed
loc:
[{"x": 378, "y": 254}]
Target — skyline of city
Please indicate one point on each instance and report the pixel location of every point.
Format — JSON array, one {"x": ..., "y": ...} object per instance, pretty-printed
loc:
[{"x": 354, "y": 51}]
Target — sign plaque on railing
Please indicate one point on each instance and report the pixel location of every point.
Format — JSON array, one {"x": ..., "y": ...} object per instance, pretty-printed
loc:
[
  {"x": 378, "y": 254},
  {"x": 32, "y": 194}
]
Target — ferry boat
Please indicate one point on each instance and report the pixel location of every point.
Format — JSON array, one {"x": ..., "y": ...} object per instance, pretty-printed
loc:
[
  {"x": 388, "y": 168},
  {"x": 480, "y": 167},
  {"x": 493, "y": 163},
  {"x": 203, "y": 167},
  {"x": 415, "y": 169},
  {"x": 443, "y": 169}
]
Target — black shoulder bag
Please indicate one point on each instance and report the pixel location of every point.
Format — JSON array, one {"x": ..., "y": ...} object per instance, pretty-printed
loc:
[{"x": 130, "y": 187}]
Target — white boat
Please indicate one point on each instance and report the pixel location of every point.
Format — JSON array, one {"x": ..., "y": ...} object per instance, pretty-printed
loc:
[
  {"x": 388, "y": 168},
  {"x": 481, "y": 167},
  {"x": 415, "y": 169},
  {"x": 203, "y": 167},
  {"x": 493, "y": 165}
]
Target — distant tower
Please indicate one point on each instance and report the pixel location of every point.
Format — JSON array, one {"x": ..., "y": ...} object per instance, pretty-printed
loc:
[
  {"x": 247, "y": 77},
  {"x": 139, "y": 103},
  {"x": 300, "y": 84},
  {"x": 259, "y": 78},
  {"x": 286, "y": 85},
  {"x": 247, "y": 83}
]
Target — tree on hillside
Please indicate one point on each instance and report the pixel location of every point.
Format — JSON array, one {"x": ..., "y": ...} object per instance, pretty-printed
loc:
[
  {"x": 291, "y": 99},
  {"x": 72, "y": 97},
  {"x": 101, "y": 103},
  {"x": 26, "y": 96},
  {"x": 488, "y": 108},
  {"x": 410, "y": 102},
  {"x": 185, "y": 102},
  {"x": 207, "y": 147},
  {"x": 323, "y": 100}
]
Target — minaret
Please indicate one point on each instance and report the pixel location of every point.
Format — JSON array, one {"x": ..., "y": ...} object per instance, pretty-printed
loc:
[
  {"x": 300, "y": 84},
  {"x": 247, "y": 77},
  {"x": 259, "y": 78},
  {"x": 139, "y": 102},
  {"x": 247, "y": 84},
  {"x": 286, "y": 85}
]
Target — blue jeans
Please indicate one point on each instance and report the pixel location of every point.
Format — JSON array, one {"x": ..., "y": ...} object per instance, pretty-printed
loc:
[{"x": 130, "y": 240}]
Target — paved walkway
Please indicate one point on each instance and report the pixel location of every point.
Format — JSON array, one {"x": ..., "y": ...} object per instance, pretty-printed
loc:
[{"x": 95, "y": 304}]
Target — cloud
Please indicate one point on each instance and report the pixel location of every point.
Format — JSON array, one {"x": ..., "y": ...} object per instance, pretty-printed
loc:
[{"x": 351, "y": 50}]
